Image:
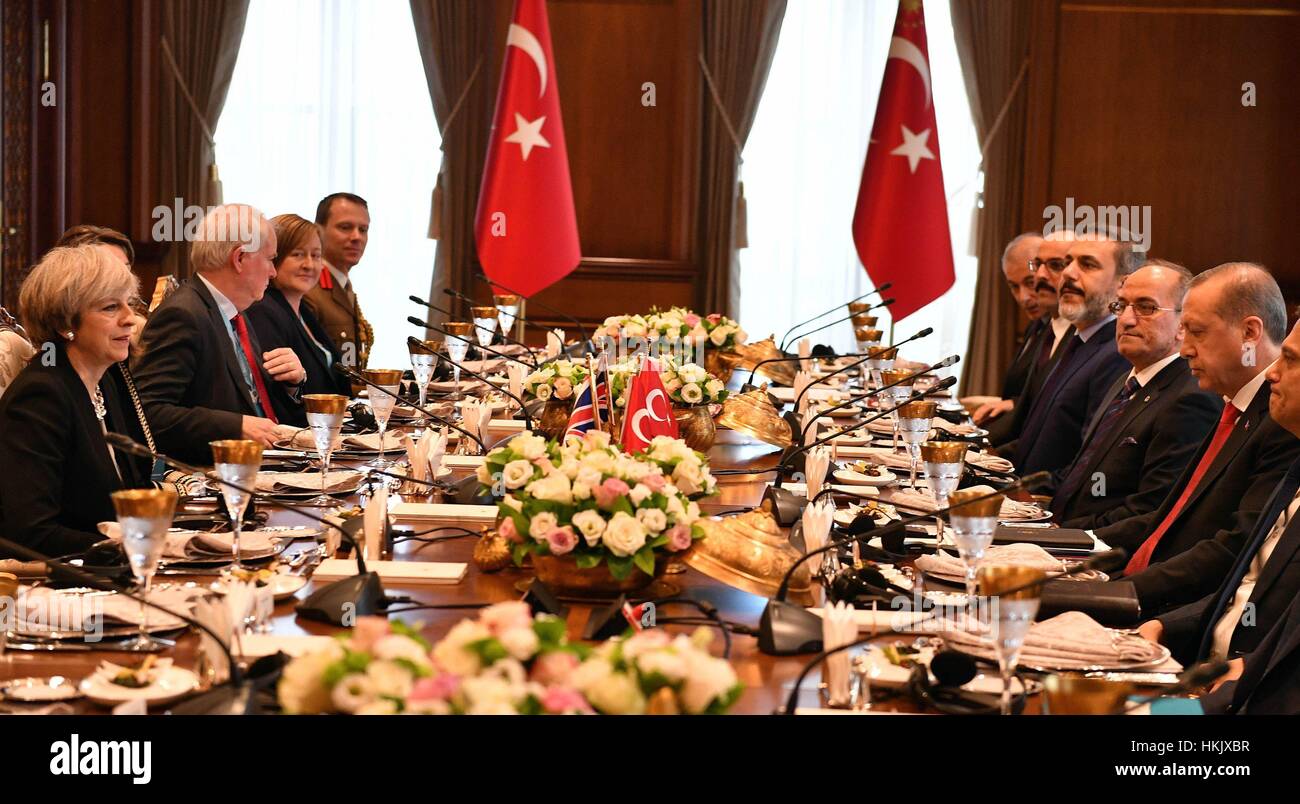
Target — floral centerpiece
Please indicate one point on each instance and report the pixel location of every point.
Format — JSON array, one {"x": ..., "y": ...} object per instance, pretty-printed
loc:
[
  {"x": 596, "y": 507},
  {"x": 724, "y": 333},
  {"x": 555, "y": 385},
  {"x": 507, "y": 661},
  {"x": 686, "y": 384}
]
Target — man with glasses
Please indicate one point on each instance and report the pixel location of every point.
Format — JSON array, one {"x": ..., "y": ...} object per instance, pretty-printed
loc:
[{"x": 1151, "y": 420}]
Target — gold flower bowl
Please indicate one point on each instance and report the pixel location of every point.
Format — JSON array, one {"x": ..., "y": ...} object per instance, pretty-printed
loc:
[
  {"x": 749, "y": 552},
  {"x": 753, "y": 413}
]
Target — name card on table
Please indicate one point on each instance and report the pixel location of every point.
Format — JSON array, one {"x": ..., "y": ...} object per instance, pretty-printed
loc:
[
  {"x": 414, "y": 572},
  {"x": 462, "y": 461},
  {"x": 514, "y": 426},
  {"x": 427, "y": 514}
]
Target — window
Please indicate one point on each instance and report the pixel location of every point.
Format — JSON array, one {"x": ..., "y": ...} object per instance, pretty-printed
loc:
[
  {"x": 803, "y": 165},
  {"x": 330, "y": 95}
]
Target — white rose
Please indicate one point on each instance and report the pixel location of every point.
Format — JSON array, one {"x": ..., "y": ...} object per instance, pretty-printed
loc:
[
  {"x": 302, "y": 689},
  {"x": 542, "y": 524},
  {"x": 600, "y": 461},
  {"x": 698, "y": 335},
  {"x": 718, "y": 336},
  {"x": 706, "y": 679},
  {"x": 554, "y": 486},
  {"x": 654, "y": 519},
  {"x": 692, "y": 512},
  {"x": 714, "y": 387},
  {"x": 691, "y": 394},
  {"x": 624, "y": 534},
  {"x": 382, "y": 706},
  {"x": 638, "y": 493},
  {"x": 389, "y": 678},
  {"x": 588, "y": 475},
  {"x": 617, "y": 694},
  {"x": 543, "y": 392},
  {"x": 451, "y": 655},
  {"x": 589, "y": 674},
  {"x": 688, "y": 478},
  {"x": 581, "y": 491},
  {"x": 528, "y": 445},
  {"x": 512, "y": 502},
  {"x": 633, "y": 469},
  {"x": 569, "y": 466},
  {"x": 664, "y": 662},
  {"x": 396, "y": 646},
  {"x": 352, "y": 692},
  {"x": 520, "y": 643},
  {"x": 483, "y": 475},
  {"x": 516, "y": 473},
  {"x": 741, "y": 335},
  {"x": 675, "y": 508},
  {"x": 591, "y": 525},
  {"x": 597, "y": 439}
]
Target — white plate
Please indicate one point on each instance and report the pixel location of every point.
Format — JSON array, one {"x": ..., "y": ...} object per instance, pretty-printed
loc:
[
  {"x": 283, "y": 586},
  {"x": 855, "y": 478},
  {"x": 170, "y": 684},
  {"x": 40, "y": 690}
]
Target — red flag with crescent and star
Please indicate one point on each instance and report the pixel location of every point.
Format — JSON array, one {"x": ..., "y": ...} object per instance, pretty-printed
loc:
[
  {"x": 525, "y": 227},
  {"x": 900, "y": 225},
  {"x": 649, "y": 410}
]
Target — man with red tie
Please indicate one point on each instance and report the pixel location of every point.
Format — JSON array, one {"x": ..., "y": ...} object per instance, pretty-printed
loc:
[
  {"x": 1234, "y": 320},
  {"x": 202, "y": 375}
]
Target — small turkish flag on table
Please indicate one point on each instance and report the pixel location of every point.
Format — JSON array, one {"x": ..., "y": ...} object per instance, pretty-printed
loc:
[
  {"x": 525, "y": 226},
  {"x": 900, "y": 225},
  {"x": 649, "y": 411}
]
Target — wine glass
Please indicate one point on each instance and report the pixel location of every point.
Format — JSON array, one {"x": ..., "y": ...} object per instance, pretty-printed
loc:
[
  {"x": 325, "y": 414},
  {"x": 236, "y": 462},
  {"x": 457, "y": 348},
  {"x": 144, "y": 516},
  {"x": 973, "y": 524},
  {"x": 382, "y": 401},
  {"x": 869, "y": 345},
  {"x": 485, "y": 324},
  {"x": 895, "y": 394},
  {"x": 424, "y": 359},
  {"x": 914, "y": 427},
  {"x": 1012, "y": 594},
  {"x": 507, "y": 307},
  {"x": 944, "y": 461}
]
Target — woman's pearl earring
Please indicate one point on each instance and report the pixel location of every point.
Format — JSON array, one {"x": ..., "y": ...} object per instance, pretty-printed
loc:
[{"x": 72, "y": 336}]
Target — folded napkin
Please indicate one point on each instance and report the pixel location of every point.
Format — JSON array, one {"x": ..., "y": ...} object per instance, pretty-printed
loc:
[
  {"x": 250, "y": 541},
  {"x": 1069, "y": 641},
  {"x": 816, "y": 462},
  {"x": 802, "y": 380},
  {"x": 211, "y": 611},
  {"x": 839, "y": 627},
  {"x": 554, "y": 343},
  {"x": 1021, "y": 553},
  {"x": 923, "y": 500},
  {"x": 289, "y": 482},
  {"x": 805, "y": 351},
  {"x": 425, "y": 455},
  {"x": 367, "y": 441},
  {"x": 41, "y": 608},
  {"x": 516, "y": 373},
  {"x": 899, "y": 460},
  {"x": 376, "y": 523}
]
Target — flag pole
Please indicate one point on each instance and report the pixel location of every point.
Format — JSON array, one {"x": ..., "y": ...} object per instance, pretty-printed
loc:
[{"x": 595, "y": 397}]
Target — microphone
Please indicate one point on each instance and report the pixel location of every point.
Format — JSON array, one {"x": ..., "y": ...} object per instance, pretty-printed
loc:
[
  {"x": 523, "y": 409},
  {"x": 884, "y": 303},
  {"x": 946, "y": 362},
  {"x": 477, "y": 326},
  {"x": 421, "y": 323},
  {"x": 359, "y": 378},
  {"x": 342, "y": 600},
  {"x": 922, "y": 334},
  {"x": 880, "y": 289},
  {"x": 494, "y": 283}
]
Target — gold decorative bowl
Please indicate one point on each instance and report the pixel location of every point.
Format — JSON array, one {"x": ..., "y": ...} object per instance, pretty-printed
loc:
[
  {"x": 749, "y": 552},
  {"x": 695, "y": 426},
  {"x": 751, "y": 354},
  {"x": 562, "y": 575},
  {"x": 721, "y": 363},
  {"x": 754, "y": 414}
]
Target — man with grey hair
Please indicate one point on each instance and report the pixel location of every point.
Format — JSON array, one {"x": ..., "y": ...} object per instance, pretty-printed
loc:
[{"x": 202, "y": 376}]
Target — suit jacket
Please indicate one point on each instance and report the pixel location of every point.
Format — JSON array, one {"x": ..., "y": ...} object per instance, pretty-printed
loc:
[
  {"x": 1199, "y": 547},
  {"x": 1004, "y": 430},
  {"x": 1143, "y": 453},
  {"x": 1270, "y": 681},
  {"x": 1189, "y": 630},
  {"x": 190, "y": 380},
  {"x": 1054, "y": 430},
  {"x": 340, "y": 314},
  {"x": 1018, "y": 372},
  {"x": 278, "y": 326},
  {"x": 57, "y": 470}
]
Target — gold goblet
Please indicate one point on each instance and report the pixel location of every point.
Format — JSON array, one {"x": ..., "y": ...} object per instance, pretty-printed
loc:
[
  {"x": 325, "y": 414},
  {"x": 1012, "y": 593},
  {"x": 237, "y": 462},
  {"x": 144, "y": 516}
]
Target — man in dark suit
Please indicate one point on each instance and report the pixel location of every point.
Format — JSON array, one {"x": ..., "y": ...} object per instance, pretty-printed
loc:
[
  {"x": 1018, "y": 271},
  {"x": 1233, "y": 322},
  {"x": 202, "y": 375},
  {"x": 344, "y": 220},
  {"x": 1071, "y": 394},
  {"x": 1265, "y": 681},
  {"x": 1151, "y": 420}
]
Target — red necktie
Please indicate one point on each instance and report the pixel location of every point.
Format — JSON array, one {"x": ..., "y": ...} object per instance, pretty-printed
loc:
[
  {"x": 254, "y": 367},
  {"x": 1142, "y": 557}
]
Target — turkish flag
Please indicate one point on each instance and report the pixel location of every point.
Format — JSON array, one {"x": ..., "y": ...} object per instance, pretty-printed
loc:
[
  {"x": 525, "y": 226},
  {"x": 900, "y": 225},
  {"x": 649, "y": 411}
]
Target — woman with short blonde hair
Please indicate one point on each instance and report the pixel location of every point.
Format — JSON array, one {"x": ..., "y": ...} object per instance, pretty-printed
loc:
[{"x": 54, "y": 418}]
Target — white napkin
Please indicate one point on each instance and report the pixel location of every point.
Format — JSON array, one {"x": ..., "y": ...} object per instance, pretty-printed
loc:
[
  {"x": 376, "y": 520},
  {"x": 239, "y": 599},
  {"x": 250, "y": 541},
  {"x": 516, "y": 372},
  {"x": 1022, "y": 553},
  {"x": 816, "y": 521},
  {"x": 802, "y": 380},
  {"x": 435, "y": 452},
  {"x": 838, "y": 628},
  {"x": 1069, "y": 641},
  {"x": 815, "y": 464},
  {"x": 922, "y": 499},
  {"x": 276, "y": 482},
  {"x": 808, "y": 424},
  {"x": 554, "y": 343},
  {"x": 211, "y": 611},
  {"x": 805, "y": 352}
]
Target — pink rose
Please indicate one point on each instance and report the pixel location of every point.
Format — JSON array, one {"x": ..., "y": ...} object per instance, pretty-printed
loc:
[
  {"x": 509, "y": 614},
  {"x": 609, "y": 491},
  {"x": 679, "y": 538},
  {"x": 553, "y": 668},
  {"x": 436, "y": 688},
  {"x": 369, "y": 630},
  {"x": 508, "y": 531},
  {"x": 561, "y": 540},
  {"x": 714, "y": 317},
  {"x": 654, "y": 482},
  {"x": 691, "y": 320},
  {"x": 562, "y": 700},
  {"x": 563, "y": 388}
]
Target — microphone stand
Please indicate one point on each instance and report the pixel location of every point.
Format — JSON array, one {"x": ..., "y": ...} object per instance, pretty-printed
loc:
[
  {"x": 477, "y": 326},
  {"x": 528, "y": 421},
  {"x": 342, "y": 600},
  {"x": 922, "y": 334},
  {"x": 883, "y": 303},
  {"x": 419, "y": 323},
  {"x": 493, "y": 283},
  {"x": 880, "y": 289},
  {"x": 357, "y": 377},
  {"x": 945, "y": 363}
]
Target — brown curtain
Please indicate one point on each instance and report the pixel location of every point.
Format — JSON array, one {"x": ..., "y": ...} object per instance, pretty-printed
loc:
[
  {"x": 993, "y": 45},
  {"x": 198, "y": 46},
  {"x": 452, "y": 35},
  {"x": 738, "y": 42}
]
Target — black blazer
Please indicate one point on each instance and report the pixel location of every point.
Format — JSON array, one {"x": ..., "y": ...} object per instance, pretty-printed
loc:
[
  {"x": 1143, "y": 453},
  {"x": 277, "y": 326},
  {"x": 1054, "y": 429},
  {"x": 57, "y": 474},
  {"x": 190, "y": 380},
  {"x": 1199, "y": 548},
  {"x": 1189, "y": 630},
  {"x": 1270, "y": 681},
  {"x": 1013, "y": 383},
  {"x": 1005, "y": 429}
]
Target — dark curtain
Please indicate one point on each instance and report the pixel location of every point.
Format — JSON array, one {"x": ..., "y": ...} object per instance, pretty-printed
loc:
[
  {"x": 993, "y": 45},
  {"x": 737, "y": 45},
  {"x": 198, "y": 46},
  {"x": 452, "y": 36}
]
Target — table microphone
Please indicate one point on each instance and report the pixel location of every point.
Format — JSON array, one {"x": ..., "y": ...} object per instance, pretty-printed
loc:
[
  {"x": 945, "y": 363},
  {"x": 477, "y": 326},
  {"x": 494, "y": 283},
  {"x": 880, "y": 289},
  {"x": 523, "y": 409},
  {"x": 475, "y": 344},
  {"x": 357, "y": 377},
  {"x": 339, "y": 601},
  {"x": 821, "y": 380},
  {"x": 882, "y": 303}
]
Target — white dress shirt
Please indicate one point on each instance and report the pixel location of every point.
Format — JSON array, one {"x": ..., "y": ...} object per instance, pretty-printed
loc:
[
  {"x": 1149, "y": 373},
  {"x": 1227, "y": 624}
]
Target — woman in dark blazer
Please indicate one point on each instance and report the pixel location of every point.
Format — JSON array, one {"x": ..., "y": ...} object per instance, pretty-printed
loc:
[
  {"x": 281, "y": 319},
  {"x": 58, "y": 470}
]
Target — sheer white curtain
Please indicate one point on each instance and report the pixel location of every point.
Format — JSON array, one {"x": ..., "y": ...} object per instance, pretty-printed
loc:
[
  {"x": 327, "y": 96},
  {"x": 803, "y": 164}
]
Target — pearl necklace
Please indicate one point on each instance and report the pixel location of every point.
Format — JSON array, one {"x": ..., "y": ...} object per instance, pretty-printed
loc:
[{"x": 98, "y": 401}]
